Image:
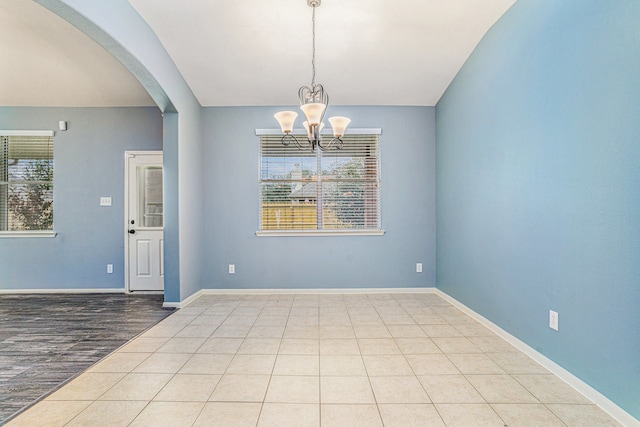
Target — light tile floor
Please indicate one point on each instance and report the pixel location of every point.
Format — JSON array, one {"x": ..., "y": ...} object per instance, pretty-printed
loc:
[{"x": 310, "y": 360}]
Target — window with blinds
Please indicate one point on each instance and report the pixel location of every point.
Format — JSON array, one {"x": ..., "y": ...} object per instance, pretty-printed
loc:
[
  {"x": 26, "y": 180},
  {"x": 335, "y": 190}
]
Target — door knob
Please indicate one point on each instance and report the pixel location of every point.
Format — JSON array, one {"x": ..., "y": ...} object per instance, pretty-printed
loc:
[{"x": 132, "y": 231}]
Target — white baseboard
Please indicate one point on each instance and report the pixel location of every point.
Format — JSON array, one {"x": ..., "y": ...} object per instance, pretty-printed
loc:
[
  {"x": 590, "y": 393},
  {"x": 323, "y": 291},
  {"x": 184, "y": 302},
  {"x": 65, "y": 291},
  {"x": 317, "y": 291}
]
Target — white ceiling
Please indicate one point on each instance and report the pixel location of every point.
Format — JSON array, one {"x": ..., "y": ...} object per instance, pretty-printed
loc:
[
  {"x": 45, "y": 61},
  {"x": 245, "y": 52}
]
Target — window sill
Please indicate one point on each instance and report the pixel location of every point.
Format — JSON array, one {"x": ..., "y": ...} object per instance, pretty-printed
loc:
[
  {"x": 20, "y": 234},
  {"x": 318, "y": 233}
]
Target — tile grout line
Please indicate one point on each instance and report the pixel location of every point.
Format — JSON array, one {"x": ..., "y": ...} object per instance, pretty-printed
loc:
[
  {"x": 275, "y": 361},
  {"x": 417, "y": 377}
]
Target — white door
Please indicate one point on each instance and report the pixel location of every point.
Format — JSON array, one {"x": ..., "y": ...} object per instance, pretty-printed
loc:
[{"x": 144, "y": 216}]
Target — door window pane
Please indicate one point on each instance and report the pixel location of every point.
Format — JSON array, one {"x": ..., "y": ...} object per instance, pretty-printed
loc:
[{"x": 150, "y": 206}]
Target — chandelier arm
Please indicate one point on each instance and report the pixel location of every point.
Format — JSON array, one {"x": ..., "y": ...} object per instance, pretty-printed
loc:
[
  {"x": 302, "y": 94},
  {"x": 339, "y": 144},
  {"x": 325, "y": 101},
  {"x": 300, "y": 145},
  {"x": 288, "y": 138}
]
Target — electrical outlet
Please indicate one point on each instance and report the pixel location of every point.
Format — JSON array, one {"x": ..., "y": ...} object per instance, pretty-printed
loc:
[
  {"x": 109, "y": 268},
  {"x": 553, "y": 320},
  {"x": 232, "y": 269},
  {"x": 419, "y": 267}
]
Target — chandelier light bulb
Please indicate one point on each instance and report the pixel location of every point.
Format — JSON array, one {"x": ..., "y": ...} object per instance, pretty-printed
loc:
[
  {"x": 339, "y": 125},
  {"x": 310, "y": 129},
  {"x": 313, "y": 112},
  {"x": 286, "y": 119}
]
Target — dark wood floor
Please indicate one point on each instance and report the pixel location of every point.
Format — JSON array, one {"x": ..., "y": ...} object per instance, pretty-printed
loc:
[{"x": 47, "y": 339}]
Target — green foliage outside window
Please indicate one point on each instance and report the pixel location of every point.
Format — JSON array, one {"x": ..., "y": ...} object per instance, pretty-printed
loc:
[
  {"x": 31, "y": 203},
  {"x": 26, "y": 181}
]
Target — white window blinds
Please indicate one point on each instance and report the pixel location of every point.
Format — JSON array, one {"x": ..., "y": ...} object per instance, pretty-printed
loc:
[
  {"x": 322, "y": 190},
  {"x": 26, "y": 181}
]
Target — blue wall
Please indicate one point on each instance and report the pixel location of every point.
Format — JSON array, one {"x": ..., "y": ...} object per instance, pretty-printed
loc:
[
  {"x": 88, "y": 163},
  {"x": 231, "y": 159},
  {"x": 538, "y": 194},
  {"x": 119, "y": 29}
]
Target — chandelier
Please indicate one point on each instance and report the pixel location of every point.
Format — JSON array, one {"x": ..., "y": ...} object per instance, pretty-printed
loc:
[{"x": 313, "y": 103}]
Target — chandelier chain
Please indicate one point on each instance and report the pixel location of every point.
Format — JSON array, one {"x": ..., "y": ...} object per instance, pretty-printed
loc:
[{"x": 313, "y": 50}]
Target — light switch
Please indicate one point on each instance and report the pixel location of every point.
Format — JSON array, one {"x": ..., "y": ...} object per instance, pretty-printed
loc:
[{"x": 105, "y": 201}]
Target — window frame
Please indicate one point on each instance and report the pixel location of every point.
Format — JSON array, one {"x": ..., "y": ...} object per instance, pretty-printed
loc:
[
  {"x": 27, "y": 233},
  {"x": 321, "y": 232}
]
